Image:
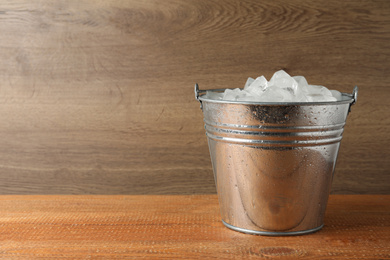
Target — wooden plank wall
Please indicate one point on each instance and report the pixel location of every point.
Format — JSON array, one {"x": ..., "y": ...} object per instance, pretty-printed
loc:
[{"x": 96, "y": 97}]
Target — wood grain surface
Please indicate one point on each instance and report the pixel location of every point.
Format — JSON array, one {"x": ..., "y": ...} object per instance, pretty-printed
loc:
[
  {"x": 96, "y": 97},
  {"x": 179, "y": 227}
]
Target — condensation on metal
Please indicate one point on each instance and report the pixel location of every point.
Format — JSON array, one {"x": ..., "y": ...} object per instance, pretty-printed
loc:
[{"x": 300, "y": 128}]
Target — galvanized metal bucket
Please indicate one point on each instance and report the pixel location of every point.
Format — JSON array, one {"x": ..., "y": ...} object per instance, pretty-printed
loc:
[{"x": 273, "y": 163}]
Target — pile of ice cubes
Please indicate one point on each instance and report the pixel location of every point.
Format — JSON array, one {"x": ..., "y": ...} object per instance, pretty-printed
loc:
[{"x": 281, "y": 88}]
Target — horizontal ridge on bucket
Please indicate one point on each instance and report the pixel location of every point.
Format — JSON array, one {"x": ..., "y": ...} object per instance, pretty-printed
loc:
[{"x": 266, "y": 137}]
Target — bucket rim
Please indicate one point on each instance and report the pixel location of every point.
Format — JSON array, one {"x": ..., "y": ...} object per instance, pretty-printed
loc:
[{"x": 347, "y": 99}]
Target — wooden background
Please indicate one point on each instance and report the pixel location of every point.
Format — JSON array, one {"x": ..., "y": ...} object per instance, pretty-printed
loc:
[{"x": 96, "y": 97}]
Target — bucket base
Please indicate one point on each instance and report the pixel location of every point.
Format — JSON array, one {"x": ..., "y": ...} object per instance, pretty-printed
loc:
[{"x": 270, "y": 233}]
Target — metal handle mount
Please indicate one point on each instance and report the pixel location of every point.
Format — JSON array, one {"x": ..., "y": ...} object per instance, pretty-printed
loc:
[
  {"x": 197, "y": 92},
  {"x": 354, "y": 97}
]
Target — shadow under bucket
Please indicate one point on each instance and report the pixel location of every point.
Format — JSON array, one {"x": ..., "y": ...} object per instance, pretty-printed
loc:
[{"x": 273, "y": 163}]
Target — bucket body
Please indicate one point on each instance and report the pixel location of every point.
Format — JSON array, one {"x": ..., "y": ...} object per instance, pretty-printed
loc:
[{"x": 273, "y": 163}]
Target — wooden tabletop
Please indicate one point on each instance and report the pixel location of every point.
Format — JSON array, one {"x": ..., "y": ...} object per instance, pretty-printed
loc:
[{"x": 179, "y": 227}]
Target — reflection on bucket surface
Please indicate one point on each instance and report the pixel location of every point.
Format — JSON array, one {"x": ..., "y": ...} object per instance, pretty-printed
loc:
[{"x": 273, "y": 163}]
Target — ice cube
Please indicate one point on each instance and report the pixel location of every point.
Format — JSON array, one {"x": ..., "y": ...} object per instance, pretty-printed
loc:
[
  {"x": 319, "y": 98},
  {"x": 213, "y": 95},
  {"x": 257, "y": 87},
  {"x": 336, "y": 94},
  {"x": 330, "y": 99},
  {"x": 249, "y": 82},
  {"x": 233, "y": 94},
  {"x": 302, "y": 83},
  {"x": 272, "y": 95},
  {"x": 300, "y": 96},
  {"x": 321, "y": 90},
  {"x": 283, "y": 80},
  {"x": 247, "y": 98}
]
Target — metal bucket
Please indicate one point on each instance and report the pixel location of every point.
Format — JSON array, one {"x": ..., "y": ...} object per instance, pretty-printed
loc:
[{"x": 273, "y": 163}]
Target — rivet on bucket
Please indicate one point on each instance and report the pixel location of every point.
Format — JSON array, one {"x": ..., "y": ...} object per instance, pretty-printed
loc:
[{"x": 273, "y": 163}]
